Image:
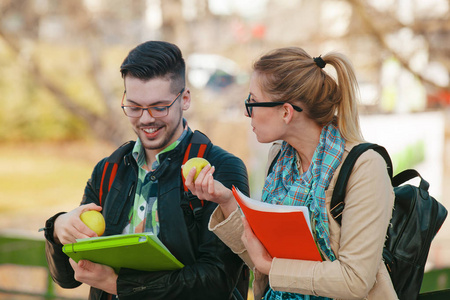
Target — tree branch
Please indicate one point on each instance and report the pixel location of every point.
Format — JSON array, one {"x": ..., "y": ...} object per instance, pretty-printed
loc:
[{"x": 378, "y": 35}]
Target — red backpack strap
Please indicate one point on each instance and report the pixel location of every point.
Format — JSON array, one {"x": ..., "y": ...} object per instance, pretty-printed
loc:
[
  {"x": 197, "y": 147},
  {"x": 110, "y": 169},
  {"x": 109, "y": 172}
]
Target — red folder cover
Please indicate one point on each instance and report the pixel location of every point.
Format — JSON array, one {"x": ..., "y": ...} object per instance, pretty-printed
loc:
[{"x": 285, "y": 231}]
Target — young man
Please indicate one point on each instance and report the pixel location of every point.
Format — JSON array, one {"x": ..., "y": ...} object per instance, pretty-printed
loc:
[{"x": 151, "y": 196}]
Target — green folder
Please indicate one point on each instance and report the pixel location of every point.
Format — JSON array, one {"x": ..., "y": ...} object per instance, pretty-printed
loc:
[{"x": 139, "y": 251}]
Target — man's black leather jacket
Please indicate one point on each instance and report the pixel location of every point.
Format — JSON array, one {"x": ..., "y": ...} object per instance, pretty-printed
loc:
[{"x": 211, "y": 269}]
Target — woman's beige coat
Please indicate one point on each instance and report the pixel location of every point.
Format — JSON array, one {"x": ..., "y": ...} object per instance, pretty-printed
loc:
[{"x": 358, "y": 272}]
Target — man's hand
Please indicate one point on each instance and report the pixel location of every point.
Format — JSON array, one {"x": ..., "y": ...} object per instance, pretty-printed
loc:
[
  {"x": 96, "y": 275},
  {"x": 69, "y": 227}
]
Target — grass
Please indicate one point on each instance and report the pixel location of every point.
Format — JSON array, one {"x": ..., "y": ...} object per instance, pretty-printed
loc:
[{"x": 39, "y": 180}]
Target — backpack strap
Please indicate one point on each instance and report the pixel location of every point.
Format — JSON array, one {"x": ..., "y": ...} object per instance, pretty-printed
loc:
[
  {"x": 274, "y": 153},
  {"x": 110, "y": 169},
  {"x": 272, "y": 164},
  {"x": 337, "y": 201},
  {"x": 198, "y": 147}
]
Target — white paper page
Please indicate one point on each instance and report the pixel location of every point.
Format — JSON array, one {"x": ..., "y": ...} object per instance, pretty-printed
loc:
[{"x": 263, "y": 206}]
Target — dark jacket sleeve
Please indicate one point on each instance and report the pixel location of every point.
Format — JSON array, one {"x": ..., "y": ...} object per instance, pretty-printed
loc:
[
  {"x": 58, "y": 262},
  {"x": 215, "y": 272}
]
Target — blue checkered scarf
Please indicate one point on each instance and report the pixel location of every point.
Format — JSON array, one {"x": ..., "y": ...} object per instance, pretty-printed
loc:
[{"x": 286, "y": 186}]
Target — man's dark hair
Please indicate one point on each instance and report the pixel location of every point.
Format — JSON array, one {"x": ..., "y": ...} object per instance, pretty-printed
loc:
[{"x": 155, "y": 59}]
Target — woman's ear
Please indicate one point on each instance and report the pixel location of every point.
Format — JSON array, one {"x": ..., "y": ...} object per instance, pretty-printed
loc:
[{"x": 288, "y": 113}]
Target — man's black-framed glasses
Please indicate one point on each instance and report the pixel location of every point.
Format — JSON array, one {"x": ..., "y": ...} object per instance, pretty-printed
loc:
[
  {"x": 156, "y": 111},
  {"x": 249, "y": 105}
]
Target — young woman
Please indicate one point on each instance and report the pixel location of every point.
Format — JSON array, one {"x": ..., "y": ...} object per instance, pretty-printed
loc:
[{"x": 294, "y": 100}]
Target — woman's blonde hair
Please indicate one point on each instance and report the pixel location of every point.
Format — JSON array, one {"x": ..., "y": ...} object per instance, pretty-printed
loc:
[{"x": 291, "y": 75}]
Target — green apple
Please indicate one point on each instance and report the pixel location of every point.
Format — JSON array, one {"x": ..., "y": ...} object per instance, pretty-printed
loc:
[
  {"x": 197, "y": 162},
  {"x": 94, "y": 220}
]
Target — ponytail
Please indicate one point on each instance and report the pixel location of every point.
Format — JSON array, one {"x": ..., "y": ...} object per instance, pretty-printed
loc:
[{"x": 347, "y": 109}]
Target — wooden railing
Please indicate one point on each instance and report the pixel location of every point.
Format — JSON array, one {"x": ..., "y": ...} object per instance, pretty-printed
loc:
[{"x": 21, "y": 250}]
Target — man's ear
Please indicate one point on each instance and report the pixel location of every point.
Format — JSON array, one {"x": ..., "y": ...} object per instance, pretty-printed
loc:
[{"x": 186, "y": 99}]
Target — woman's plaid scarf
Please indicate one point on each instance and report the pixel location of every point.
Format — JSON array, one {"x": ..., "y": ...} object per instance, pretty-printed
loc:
[{"x": 286, "y": 186}]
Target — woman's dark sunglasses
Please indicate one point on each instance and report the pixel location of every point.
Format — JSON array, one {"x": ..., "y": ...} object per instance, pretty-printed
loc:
[{"x": 249, "y": 106}]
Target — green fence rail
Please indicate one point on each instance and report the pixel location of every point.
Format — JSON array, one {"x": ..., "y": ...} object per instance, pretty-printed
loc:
[
  {"x": 16, "y": 249},
  {"x": 28, "y": 251},
  {"x": 436, "y": 285}
]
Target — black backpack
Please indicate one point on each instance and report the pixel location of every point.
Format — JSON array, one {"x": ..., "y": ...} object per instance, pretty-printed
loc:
[
  {"x": 198, "y": 147},
  {"x": 416, "y": 218}
]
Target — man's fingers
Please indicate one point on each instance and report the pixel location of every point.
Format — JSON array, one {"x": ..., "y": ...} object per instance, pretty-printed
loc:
[
  {"x": 81, "y": 231},
  {"x": 90, "y": 206},
  {"x": 86, "y": 265},
  {"x": 73, "y": 264}
]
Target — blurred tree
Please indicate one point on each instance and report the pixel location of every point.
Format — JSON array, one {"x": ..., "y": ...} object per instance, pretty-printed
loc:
[
  {"x": 26, "y": 21},
  {"x": 71, "y": 49},
  {"x": 380, "y": 24},
  {"x": 89, "y": 30}
]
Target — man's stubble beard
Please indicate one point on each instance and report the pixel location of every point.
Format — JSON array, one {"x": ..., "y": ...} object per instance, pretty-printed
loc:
[{"x": 165, "y": 142}]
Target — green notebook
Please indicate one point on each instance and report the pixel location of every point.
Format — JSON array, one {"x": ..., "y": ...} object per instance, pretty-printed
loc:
[{"x": 139, "y": 251}]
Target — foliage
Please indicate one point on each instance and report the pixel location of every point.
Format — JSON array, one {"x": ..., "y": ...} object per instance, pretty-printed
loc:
[{"x": 31, "y": 112}]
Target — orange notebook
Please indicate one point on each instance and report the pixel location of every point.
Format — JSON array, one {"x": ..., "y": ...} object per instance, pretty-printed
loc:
[{"x": 285, "y": 231}]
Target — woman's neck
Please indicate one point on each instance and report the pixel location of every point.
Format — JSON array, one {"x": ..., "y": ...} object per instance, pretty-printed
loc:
[{"x": 305, "y": 143}]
